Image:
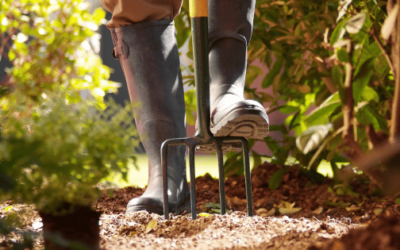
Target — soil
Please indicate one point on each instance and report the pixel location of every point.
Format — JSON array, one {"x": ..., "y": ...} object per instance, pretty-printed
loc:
[{"x": 300, "y": 214}]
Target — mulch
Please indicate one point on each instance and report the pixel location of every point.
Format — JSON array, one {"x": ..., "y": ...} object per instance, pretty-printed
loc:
[
  {"x": 356, "y": 201},
  {"x": 330, "y": 206}
]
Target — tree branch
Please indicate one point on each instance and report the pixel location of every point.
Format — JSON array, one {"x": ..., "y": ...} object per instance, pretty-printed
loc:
[
  {"x": 384, "y": 51},
  {"x": 395, "y": 128},
  {"x": 4, "y": 42}
]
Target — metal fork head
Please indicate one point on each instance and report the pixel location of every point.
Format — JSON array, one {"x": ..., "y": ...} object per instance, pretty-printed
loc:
[{"x": 217, "y": 142}]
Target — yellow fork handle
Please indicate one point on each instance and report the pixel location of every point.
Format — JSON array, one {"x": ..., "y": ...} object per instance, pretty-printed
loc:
[{"x": 198, "y": 8}]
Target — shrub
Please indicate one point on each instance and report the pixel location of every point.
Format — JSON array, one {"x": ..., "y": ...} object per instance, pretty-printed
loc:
[
  {"x": 51, "y": 43},
  {"x": 56, "y": 152}
]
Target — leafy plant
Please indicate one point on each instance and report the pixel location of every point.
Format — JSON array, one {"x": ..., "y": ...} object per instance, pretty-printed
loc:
[
  {"x": 363, "y": 72},
  {"x": 331, "y": 69},
  {"x": 57, "y": 152},
  {"x": 58, "y": 139},
  {"x": 49, "y": 44}
]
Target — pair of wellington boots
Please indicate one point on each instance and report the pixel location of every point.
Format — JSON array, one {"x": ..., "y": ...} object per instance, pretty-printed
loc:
[{"x": 150, "y": 61}]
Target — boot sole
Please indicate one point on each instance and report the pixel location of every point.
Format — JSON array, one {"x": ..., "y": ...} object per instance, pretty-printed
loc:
[
  {"x": 247, "y": 123},
  {"x": 250, "y": 124}
]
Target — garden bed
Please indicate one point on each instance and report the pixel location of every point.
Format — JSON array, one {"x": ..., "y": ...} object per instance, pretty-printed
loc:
[{"x": 300, "y": 214}]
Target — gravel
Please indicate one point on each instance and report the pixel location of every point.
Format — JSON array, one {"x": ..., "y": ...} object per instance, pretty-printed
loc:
[{"x": 234, "y": 231}]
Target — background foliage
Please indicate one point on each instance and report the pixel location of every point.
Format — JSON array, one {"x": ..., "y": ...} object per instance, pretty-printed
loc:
[
  {"x": 59, "y": 138},
  {"x": 49, "y": 44},
  {"x": 330, "y": 70}
]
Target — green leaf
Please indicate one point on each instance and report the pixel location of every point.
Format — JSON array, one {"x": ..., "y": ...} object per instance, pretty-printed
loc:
[
  {"x": 190, "y": 119},
  {"x": 381, "y": 64},
  {"x": 276, "y": 69},
  {"x": 337, "y": 75},
  {"x": 373, "y": 49},
  {"x": 312, "y": 137},
  {"x": 369, "y": 94},
  {"x": 362, "y": 77},
  {"x": 183, "y": 30},
  {"x": 343, "y": 56},
  {"x": 338, "y": 33},
  {"x": 276, "y": 179},
  {"x": 313, "y": 175},
  {"x": 367, "y": 115},
  {"x": 212, "y": 205},
  {"x": 295, "y": 121},
  {"x": 288, "y": 109},
  {"x": 252, "y": 73},
  {"x": 281, "y": 128},
  {"x": 272, "y": 144},
  {"x": 322, "y": 113},
  {"x": 215, "y": 211},
  {"x": 11, "y": 55}
]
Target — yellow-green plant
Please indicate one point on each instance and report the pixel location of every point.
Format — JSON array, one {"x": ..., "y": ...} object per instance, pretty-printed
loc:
[
  {"x": 57, "y": 152},
  {"x": 48, "y": 43}
]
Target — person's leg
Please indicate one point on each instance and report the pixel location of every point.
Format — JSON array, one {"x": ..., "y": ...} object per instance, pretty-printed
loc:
[
  {"x": 149, "y": 58},
  {"x": 230, "y": 24}
]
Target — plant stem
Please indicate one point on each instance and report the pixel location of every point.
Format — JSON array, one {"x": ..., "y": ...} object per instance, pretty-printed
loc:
[
  {"x": 348, "y": 108},
  {"x": 384, "y": 51},
  {"x": 395, "y": 128},
  {"x": 330, "y": 85}
]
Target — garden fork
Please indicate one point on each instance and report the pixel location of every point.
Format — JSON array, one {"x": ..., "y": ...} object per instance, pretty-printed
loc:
[{"x": 203, "y": 136}]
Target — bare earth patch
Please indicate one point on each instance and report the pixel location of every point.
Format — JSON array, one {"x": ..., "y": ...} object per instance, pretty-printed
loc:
[
  {"x": 300, "y": 214},
  {"x": 233, "y": 231}
]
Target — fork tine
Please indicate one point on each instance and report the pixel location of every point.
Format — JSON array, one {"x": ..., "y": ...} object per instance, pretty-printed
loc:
[
  {"x": 247, "y": 175},
  {"x": 192, "y": 149},
  {"x": 221, "y": 176},
  {"x": 164, "y": 154}
]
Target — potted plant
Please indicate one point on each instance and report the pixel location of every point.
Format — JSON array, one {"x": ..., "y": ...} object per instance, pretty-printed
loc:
[{"x": 56, "y": 153}]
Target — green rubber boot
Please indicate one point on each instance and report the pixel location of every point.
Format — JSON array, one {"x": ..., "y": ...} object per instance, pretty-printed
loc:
[{"x": 149, "y": 58}]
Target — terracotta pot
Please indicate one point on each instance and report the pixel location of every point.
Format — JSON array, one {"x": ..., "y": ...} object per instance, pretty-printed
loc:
[{"x": 77, "y": 230}]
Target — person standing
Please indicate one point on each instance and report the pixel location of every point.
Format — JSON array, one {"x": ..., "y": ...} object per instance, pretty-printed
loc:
[{"x": 144, "y": 40}]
